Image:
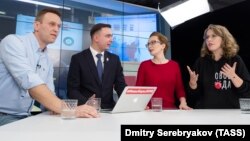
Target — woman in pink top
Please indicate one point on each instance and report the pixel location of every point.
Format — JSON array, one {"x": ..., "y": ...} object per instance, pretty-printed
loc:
[{"x": 163, "y": 73}]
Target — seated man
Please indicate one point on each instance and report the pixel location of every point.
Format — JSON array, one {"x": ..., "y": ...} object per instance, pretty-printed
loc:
[
  {"x": 92, "y": 76},
  {"x": 26, "y": 72}
]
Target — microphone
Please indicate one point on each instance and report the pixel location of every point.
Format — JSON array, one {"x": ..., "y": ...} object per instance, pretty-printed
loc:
[{"x": 38, "y": 66}]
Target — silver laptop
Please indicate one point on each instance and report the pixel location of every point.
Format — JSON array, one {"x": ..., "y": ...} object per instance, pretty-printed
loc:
[{"x": 132, "y": 99}]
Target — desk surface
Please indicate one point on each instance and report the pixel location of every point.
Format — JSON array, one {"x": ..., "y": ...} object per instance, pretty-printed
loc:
[{"x": 44, "y": 127}]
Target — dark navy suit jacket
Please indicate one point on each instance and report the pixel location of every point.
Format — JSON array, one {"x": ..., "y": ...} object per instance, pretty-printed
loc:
[{"x": 83, "y": 79}]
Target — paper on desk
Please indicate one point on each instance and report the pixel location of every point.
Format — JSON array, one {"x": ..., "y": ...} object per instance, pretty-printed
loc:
[{"x": 35, "y": 109}]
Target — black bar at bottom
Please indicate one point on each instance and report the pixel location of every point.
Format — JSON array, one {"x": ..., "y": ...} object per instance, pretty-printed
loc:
[{"x": 185, "y": 132}]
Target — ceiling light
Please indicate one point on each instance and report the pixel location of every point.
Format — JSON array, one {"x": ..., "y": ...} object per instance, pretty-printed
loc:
[
  {"x": 185, "y": 10},
  {"x": 2, "y": 12},
  {"x": 45, "y": 4}
]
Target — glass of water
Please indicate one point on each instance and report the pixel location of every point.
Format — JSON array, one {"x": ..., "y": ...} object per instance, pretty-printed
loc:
[{"x": 156, "y": 104}]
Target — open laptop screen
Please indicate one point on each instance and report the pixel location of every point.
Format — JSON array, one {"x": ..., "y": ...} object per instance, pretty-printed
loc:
[{"x": 133, "y": 99}]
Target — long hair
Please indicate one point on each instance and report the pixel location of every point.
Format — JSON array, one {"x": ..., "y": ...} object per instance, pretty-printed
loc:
[{"x": 229, "y": 45}]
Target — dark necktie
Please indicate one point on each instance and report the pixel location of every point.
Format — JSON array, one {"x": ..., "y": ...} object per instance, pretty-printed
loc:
[{"x": 99, "y": 66}]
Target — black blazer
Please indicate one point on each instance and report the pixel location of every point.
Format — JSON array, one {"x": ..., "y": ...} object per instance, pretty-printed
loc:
[{"x": 83, "y": 79}]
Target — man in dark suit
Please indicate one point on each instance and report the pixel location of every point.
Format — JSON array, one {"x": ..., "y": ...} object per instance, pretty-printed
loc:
[{"x": 85, "y": 80}]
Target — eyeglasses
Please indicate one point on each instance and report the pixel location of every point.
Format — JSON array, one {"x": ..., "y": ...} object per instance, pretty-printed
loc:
[{"x": 152, "y": 43}]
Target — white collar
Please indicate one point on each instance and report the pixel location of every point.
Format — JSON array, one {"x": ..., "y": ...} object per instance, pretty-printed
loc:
[{"x": 94, "y": 52}]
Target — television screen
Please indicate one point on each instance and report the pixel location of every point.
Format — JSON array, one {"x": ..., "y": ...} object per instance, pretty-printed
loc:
[
  {"x": 70, "y": 37},
  {"x": 130, "y": 34}
]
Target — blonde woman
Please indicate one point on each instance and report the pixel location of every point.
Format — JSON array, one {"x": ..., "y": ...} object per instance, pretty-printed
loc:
[{"x": 219, "y": 77}]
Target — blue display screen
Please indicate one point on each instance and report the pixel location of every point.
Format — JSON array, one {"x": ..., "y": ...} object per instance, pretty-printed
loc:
[{"x": 69, "y": 38}]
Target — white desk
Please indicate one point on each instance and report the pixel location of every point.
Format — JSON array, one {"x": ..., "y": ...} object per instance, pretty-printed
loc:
[{"x": 44, "y": 127}]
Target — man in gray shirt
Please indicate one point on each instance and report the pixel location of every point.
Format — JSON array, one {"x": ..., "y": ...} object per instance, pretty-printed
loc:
[{"x": 26, "y": 72}]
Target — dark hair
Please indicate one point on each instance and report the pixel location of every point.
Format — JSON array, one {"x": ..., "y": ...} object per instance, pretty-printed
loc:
[
  {"x": 98, "y": 27},
  {"x": 163, "y": 39},
  {"x": 41, "y": 13}
]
